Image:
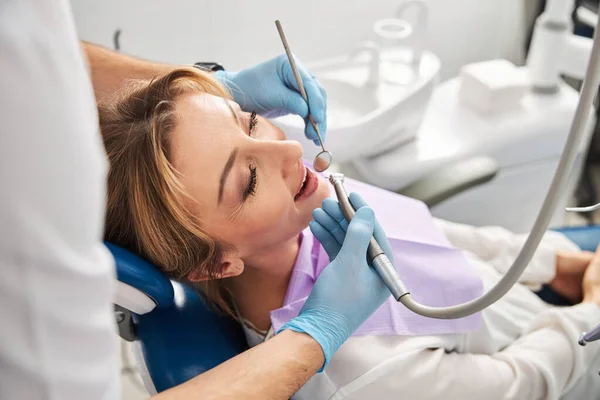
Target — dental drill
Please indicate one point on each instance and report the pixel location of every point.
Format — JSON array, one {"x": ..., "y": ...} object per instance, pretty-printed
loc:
[
  {"x": 382, "y": 265},
  {"x": 390, "y": 276}
]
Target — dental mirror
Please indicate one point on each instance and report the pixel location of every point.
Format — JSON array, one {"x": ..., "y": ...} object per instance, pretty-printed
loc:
[
  {"x": 324, "y": 158},
  {"x": 322, "y": 161}
]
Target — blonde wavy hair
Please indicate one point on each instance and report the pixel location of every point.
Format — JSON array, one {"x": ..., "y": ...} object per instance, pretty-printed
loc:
[{"x": 146, "y": 210}]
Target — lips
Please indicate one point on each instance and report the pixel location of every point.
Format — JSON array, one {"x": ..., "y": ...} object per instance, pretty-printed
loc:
[
  {"x": 303, "y": 172},
  {"x": 308, "y": 185}
]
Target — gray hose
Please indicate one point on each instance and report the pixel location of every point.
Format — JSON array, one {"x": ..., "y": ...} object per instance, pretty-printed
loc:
[{"x": 559, "y": 182}]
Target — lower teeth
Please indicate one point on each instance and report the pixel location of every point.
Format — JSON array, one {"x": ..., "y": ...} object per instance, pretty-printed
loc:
[{"x": 301, "y": 190}]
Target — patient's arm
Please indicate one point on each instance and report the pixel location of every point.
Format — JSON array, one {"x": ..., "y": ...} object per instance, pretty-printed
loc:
[
  {"x": 544, "y": 363},
  {"x": 111, "y": 69},
  {"x": 499, "y": 247},
  {"x": 272, "y": 370}
]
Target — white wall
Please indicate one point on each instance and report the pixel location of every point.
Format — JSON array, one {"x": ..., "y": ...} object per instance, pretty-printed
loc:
[{"x": 239, "y": 33}]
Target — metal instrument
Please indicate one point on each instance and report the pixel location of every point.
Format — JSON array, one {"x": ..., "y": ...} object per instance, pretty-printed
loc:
[{"x": 324, "y": 158}]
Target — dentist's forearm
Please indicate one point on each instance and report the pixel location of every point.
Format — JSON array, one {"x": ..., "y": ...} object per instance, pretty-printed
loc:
[
  {"x": 275, "y": 369},
  {"x": 110, "y": 69}
]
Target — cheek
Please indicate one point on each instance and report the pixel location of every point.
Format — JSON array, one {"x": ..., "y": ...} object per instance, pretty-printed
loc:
[
  {"x": 269, "y": 214},
  {"x": 269, "y": 220}
]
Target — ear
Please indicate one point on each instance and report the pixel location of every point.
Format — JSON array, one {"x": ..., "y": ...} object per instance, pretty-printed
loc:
[{"x": 230, "y": 266}]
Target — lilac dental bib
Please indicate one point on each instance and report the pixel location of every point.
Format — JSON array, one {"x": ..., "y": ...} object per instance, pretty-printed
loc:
[{"x": 435, "y": 273}]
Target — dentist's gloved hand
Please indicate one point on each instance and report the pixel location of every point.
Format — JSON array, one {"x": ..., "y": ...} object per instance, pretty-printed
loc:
[
  {"x": 270, "y": 89},
  {"x": 330, "y": 225},
  {"x": 348, "y": 291}
]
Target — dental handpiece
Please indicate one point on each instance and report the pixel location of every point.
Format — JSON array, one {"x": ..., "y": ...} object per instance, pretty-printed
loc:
[{"x": 380, "y": 262}]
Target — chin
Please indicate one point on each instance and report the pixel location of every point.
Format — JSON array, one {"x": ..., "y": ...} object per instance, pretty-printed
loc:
[{"x": 316, "y": 199}]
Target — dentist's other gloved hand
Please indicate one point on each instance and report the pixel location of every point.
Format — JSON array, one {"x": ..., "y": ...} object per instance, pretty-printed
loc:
[
  {"x": 348, "y": 291},
  {"x": 270, "y": 89}
]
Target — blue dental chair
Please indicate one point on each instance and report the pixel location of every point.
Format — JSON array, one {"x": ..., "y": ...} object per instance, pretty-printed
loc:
[{"x": 178, "y": 336}]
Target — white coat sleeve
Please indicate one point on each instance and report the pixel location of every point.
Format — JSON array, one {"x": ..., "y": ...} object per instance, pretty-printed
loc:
[
  {"x": 499, "y": 248},
  {"x": 57, "y": 332},
  {"x": 543, "y": 364}
]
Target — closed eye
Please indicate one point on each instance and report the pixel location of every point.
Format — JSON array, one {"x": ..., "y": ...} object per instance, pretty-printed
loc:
[
  {"x": 252, "y": 124},
  {"x": 251, "y": 187}
]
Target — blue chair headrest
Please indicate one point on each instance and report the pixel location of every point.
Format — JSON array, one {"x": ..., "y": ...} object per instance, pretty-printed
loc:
[
  {"x": 140, "y": 274},
  {"x": 183, "y": 337}
]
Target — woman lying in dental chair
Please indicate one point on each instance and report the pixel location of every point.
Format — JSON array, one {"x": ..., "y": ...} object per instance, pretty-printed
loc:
[{"x": 217, "y": 197}]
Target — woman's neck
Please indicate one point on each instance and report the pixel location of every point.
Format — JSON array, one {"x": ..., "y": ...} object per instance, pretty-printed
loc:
[{"x": 262, "y": 286}]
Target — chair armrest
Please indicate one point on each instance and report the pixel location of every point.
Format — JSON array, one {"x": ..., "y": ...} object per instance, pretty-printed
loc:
[{"x": 440, "y": 185}]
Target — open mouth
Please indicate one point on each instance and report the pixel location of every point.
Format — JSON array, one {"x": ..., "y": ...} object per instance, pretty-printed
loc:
[{"x": 308, "y": 186}]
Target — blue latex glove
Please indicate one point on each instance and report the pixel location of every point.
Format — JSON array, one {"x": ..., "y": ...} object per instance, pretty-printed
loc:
[
  {"x": 330, "y": 225},
  {"x": 270, "y": 89},
  {"x": 348, "y": 291}
]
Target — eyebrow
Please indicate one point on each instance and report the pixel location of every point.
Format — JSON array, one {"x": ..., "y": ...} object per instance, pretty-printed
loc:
[
  {"x": 231, "y": 160},
  {"x": 233, "y": 113},
  {"x": 225, "y": 173}
]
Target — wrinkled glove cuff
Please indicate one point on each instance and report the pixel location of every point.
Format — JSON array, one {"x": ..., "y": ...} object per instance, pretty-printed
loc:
[
  {"x": 329, "y": 328},
  {"x": 226, "y": 78}
]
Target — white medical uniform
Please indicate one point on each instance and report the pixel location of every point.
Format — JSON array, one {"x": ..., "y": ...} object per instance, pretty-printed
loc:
[
  {"x": 524, "y": 350},
  {"x": 57, "y": 331}
]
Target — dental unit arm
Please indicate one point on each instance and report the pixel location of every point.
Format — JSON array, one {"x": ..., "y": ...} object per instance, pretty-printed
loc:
[{"x": 559, "y": 183}]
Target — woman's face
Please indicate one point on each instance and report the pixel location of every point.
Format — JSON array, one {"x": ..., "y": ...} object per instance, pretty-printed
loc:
[{"x": 249, "y": 186}]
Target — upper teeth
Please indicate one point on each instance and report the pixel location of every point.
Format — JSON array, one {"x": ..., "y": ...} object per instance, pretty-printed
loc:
[{"x": 303, "y": 180}]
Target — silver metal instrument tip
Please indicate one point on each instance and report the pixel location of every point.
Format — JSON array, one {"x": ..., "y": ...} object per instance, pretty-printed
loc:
[{"x": 336, "y": 177}]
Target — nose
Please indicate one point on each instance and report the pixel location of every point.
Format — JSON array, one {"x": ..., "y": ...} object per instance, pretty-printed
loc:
[{"x": 285, "y": 154}]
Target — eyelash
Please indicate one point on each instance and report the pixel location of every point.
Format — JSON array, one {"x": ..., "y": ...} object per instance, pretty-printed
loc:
[
  {"x": 253, "y": 122},
  {"x": 251, "y": 189}
]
